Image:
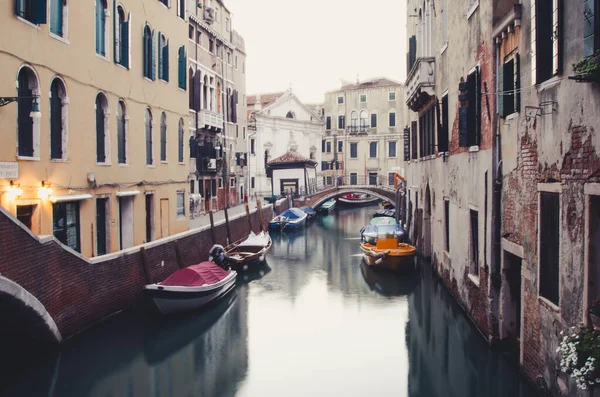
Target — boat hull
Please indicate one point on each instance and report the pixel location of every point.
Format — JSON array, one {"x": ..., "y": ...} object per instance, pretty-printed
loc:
[
  {"x": 357, "y": 202},
  {"x": 327, "y": 210},
  {"x": 170, "y": 300},
  {"x": 391, "y": 261},
  {"x": 240, "y": 257}
]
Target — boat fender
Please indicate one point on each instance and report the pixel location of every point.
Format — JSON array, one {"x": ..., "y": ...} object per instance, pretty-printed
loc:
[{"x": 261, "y": 258}]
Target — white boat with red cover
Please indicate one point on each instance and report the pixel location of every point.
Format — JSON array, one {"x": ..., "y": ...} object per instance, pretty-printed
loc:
[
  {"x": 191, "y": 287},
  {"x": 357, "y": 199}
]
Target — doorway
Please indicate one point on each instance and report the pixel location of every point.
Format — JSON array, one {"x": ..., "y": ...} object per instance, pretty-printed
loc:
[
  {"x": 126, "y": 221},
  {"x": 102, "y": 216},
  {"x": 164, "y": 218},
  {"x": 372, "y": 178},
  {"x": 594, "y": 249},
  {"x": 149, "y": 217},
  {"x": 25, "y": 215},
  {"x": 511, "y": 300},
  {"x": 288, "y": 186}
]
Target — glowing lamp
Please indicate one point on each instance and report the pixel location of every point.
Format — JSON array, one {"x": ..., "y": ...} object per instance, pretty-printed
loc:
[
  {"x": 14, "y": 191},
  {"x": 45, "y": 191}
]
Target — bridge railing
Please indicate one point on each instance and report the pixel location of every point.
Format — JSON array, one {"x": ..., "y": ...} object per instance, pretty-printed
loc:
[{"x": 329, "y": 182}]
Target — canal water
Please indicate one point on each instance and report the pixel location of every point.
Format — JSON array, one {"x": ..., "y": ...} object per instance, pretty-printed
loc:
[{"x": 312, "y": 321}]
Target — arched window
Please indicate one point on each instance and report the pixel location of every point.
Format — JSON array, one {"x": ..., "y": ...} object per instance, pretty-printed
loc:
[
  {"x": 205, "y": 93},
  {"x": 122, "y": 132},
  {"x": 229, "y": 103},
  {"x": 101, "y": 128},
  {"x": 28, "y": 127},
  {"x": 363, "y": 121},
  {"x": 163, "y": 57},
  {"x": 122, "y": 37},
  {"x": 266, "y": 157},
  {"x": 289, "y": 115},
  {"x": 191, "y": 93},
  {"x": 148, "y": 122},
  {"x": 58, "y": 119},
  {"x": 149, "y": 69},
  {"x": 101, "y": 11},
  {"x": 180, "y": 135},
  {"x": 163, "y": 137},
  {"x": 354, "y": 121}
]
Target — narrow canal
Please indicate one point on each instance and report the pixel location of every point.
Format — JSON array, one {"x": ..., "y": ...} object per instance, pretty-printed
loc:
[{"x": 313, "y": 321}]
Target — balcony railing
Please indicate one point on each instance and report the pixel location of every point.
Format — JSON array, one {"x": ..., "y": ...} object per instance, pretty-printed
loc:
[
  {"x": 210, "y": 119},
  {"x": 420, "y": 83},
  {"x": 358, "y": 129}
]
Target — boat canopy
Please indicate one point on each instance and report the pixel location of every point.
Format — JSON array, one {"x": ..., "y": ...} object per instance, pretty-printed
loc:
[
  {"x": 308, "y": 210},
  {"x": 293, "y": 213},
  {"x": 383, "y": 220},
  {"x": 256, "y": 240},
  {"x": 196, "y": 275}
]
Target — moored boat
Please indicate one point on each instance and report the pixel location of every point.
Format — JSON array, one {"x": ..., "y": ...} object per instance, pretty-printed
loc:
[
  {"x": 385, "y": 212},
  {"x": 387, "y": 252},
  {"x": 250, "y": 249},
  {"x": 309, "y": 212},
  {"x": 380, "y": 225},
  {"x": 356, "y": 199},
  {"x": 294, "y": 218},
  {"x": 191, "y": 287},
  {"x": 327, "y": 206},
  {"x": 387, "y": 205}
]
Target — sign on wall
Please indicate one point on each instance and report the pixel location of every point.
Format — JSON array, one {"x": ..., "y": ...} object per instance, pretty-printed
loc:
[{"x": 9, "y": 170}]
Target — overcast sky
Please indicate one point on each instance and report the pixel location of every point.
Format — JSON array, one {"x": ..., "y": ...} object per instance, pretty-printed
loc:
[{"x": 312, "y": 44}]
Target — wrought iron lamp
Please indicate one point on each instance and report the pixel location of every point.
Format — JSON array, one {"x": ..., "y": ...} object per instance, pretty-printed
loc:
[{"x": 5, "y": 100}]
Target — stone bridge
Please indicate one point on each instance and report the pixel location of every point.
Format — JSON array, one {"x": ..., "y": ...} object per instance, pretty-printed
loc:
[{"x": 316, "y": 199}]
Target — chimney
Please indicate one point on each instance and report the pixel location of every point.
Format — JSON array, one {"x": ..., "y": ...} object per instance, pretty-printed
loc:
[{"x": 257, "y": 104}]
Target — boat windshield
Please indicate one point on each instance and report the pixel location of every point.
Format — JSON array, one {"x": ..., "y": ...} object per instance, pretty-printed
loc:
[
  {"x": 386, "y": 231},
  {"x": 383, "y": 220}
]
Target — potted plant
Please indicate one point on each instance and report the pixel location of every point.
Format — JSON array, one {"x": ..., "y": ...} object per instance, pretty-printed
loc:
[
  {"x": 595, "y": 313},
  {"x": 587, "y": 69},
  {"x": 580, "y": 356}
]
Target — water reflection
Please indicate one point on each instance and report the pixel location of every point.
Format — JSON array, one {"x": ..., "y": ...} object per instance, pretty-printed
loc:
[{"x": 313, "y": 321}]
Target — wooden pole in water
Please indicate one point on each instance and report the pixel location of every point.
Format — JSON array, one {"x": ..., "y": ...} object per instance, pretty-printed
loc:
[
  {"x": 178, "y": 254},
  {"x": 227, "y": 226},
  {"x": 212, "y": 227},
  {"x": 146, "y": 265},
  {"x": 260, "y": 214},
  {"x": 248, "y": 217}
]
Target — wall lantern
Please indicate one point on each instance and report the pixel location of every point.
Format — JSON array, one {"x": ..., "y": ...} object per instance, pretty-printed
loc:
[
  {"x": 45, "y": 190},
  {"x": 14, "y": 192}
]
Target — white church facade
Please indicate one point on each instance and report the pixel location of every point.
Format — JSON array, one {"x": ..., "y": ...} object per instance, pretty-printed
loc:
[{"x": 279, "y": 123}]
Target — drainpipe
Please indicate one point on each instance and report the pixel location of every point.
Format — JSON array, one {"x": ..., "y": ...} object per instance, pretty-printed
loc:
[{"x": 496, "y": 279}]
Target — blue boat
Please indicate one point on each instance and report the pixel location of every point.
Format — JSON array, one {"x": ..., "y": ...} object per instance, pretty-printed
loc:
[
  {"x": 294, "y": 218},
  {"x": 327, "y": 206},
  {"x": 309, "y": 211}
]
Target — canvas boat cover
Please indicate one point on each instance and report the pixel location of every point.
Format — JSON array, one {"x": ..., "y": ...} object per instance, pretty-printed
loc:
[
  {"x": 293, "y": 213},
  {"x": 308, "y": 210},
  {"x": 383, "y": 220},
  {"x": 197, "y": 275},
  {"x": 256, "y": 240}
]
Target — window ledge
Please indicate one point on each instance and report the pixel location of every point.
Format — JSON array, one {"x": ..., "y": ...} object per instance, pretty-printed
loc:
[
  {"x": 26, "y": 22},
  {"x": 473, "y": 9},
  {"x": 103, "y": 164},
  {"x": 550, "y": 83},
  {"x": 103, "y": 57},
  {"x": 394, "y": 157},
  {"x": 28, "y": 158},
  {"x": 180, "y": 163},
  {"x": 164, "y": 162},
  {"x": 444, "y": 48},
  {"x": 60, "y": 160},
  {"x": 548, "y": 305},
  {"x": 59, "y": 38},
  {"x": 125, "y": 165},
  {"x": 473, "y": 149},
  {"x": 181, "y": 89},
  {"x": 474, "y": 279},
  {"x": 163, "y": 80},
  {"x": 121, "y": 66},
  {"x": 148, "y": 79},
  {"x": 150, "y": 166}
]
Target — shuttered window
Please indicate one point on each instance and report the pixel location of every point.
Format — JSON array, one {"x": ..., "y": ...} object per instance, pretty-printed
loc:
[
  {"x": 148, "y": 125},
  {"x": 407, "y": 144},
  {"x": 546, "y": 39},
  {"x": 181, "y": 67},
  {"x": 163, "y": 137},
  {"x": 549, "y": 247},
  {"x": 56, "y": 17},
  {"x": 101, "y": 107},
  {"x": 443, "y": 126},
  {"x": 121, "y": 36},
  {"x": 121, "y": 133},
  {"x": 341, "y": 122},
  {"x": 32, "y": 10},
  {"x": 56, "y": 119},
  {"x": 469, "y": 113},
  {"x": 392, "y": 119},
  {"x": 509, "y": 82},
  {"x": 373, "y": 149},
  {"x": 591, "y": 38},
  {"x": 101, "y": 27},
  {"x": 180, "y": 135},
  {"x": 328, "y": 123},
  {"x": 474, "y": 216},
  {"x": 163, "y": 57},
  {"x": 354, "y": 150},
  {"x": 411, "y": 56},
  {"x": 340, "y": 146},
  {"x": 414, "y": 134},
  {"x": 374, "y": 120},
  {"x": 148, "y": 51},
  {"x": 426, "y": 132},
  {"x": 392, "y": 149}
]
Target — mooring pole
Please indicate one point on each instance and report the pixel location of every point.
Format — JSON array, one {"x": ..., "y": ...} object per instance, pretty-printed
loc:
[
  {"x": 260, "y": 213},
  {"x": 248, "y": 217},
  {"x": 212, "y": 227},
  {"x": 146, "y": 265},
  {"x": 227, "y": 226}
]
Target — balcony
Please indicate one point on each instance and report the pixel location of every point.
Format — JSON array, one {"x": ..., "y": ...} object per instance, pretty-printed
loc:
[
  {"x": 210, "y": 120},
  {"x": 420, "y": 83},
  {"x": 357, "y": 130}
]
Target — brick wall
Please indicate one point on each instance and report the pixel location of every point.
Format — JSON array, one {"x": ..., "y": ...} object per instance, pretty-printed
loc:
[{"x": 77, "y": 292}]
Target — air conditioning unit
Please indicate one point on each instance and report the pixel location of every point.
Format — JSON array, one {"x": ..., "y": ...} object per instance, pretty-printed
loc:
[{"x": 212, "y": 164}]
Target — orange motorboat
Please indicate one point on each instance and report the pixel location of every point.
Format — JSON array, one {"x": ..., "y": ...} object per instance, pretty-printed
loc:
[{"x": 387, "y": 252}]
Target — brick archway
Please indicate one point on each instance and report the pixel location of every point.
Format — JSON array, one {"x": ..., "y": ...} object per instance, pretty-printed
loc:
[{"x": 315, "y": 200}]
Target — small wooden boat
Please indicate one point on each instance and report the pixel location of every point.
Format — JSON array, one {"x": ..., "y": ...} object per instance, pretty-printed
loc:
[
  {"x": 387, "y": 205},
  {"x": 388, "y": 253},
  {"x": 250, "y": 249},
  {"x": 356, "y": 199},
  {"x": 294, "y": 218},
  {"x": 389, "y": 213},
  {"x": 309, "y": 211},
  {"x": 327, "y": 206},
  {"x": 191, "y": 287}
]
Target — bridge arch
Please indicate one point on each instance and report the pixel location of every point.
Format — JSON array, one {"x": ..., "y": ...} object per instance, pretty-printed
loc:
[
  {"x": 28, "y": 319},
  {"x": 381, "y": 193}
]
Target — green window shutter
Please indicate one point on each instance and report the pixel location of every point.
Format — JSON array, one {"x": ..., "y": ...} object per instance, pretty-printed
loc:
[
  {"x": 38, "y": 12},
  {"x": 115, "y": 24},
  {"x": 97, "y": 26},
  {"x": 181, "y": 68},
  {"x": 518, "y": 82},
  {"x": 56, "y": 17},
  {"x": 18, "y": 10},
  {"x": 165, "y": 58},
  {"x": 160, "y": 57},
  {"x": 145, "y": 54},
  {"x": 153, "y": 56},
  {"x": 463, "y": 126},
  {"x": 125, "y": 42},
  {"x": 501, "y": 90}
]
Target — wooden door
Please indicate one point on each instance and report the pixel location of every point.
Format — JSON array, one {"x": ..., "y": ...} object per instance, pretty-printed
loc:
[{"x": 164, "y": 217}]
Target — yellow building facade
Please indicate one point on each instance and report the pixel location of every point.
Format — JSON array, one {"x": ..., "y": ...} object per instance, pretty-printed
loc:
[{"x": 95, "y": 150}]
